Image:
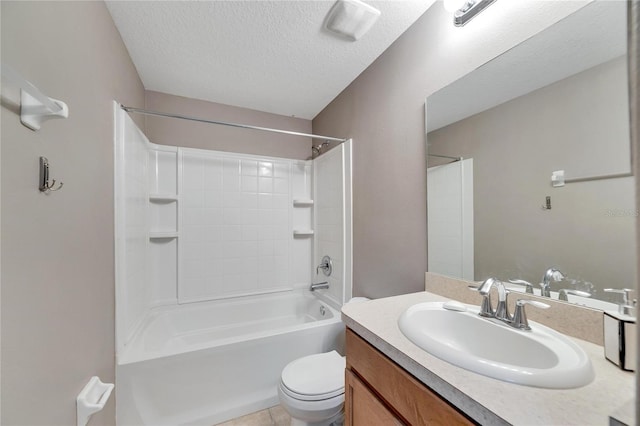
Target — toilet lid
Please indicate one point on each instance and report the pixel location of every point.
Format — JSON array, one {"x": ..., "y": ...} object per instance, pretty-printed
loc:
[{"x": 315, "y": 375}]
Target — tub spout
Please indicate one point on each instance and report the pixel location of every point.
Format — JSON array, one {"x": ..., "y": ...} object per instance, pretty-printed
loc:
[{"x": 318, "y": 286}]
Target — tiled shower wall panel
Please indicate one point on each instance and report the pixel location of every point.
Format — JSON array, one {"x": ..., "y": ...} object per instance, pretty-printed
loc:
[
  {"x": 301, "y": 247},
  {"x": 163, "y": 174},
  {"x": 236, "y": 225},
  {"x": 134, "y": 291},
  {"x": 163, "y": 217},
  {"x": 329, "y": 212}
]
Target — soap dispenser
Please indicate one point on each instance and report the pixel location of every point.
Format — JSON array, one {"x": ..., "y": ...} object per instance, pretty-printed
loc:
[{"x": 620, "y": 332}]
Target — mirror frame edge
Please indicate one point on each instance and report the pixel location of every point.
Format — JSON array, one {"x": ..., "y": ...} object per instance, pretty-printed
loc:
[{"x": 633, "y": 64}]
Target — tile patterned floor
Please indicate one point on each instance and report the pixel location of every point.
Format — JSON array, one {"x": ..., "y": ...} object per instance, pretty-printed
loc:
[{"x": 274, "y": 416}]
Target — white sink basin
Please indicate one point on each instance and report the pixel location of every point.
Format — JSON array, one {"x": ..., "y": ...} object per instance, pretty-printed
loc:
[{"x": 541, "y": 357}]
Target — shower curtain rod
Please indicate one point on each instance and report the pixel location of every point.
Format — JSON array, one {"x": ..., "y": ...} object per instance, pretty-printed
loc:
[
  {"x": 223, "y": 123},
  {"x": 445, "y": 156}
]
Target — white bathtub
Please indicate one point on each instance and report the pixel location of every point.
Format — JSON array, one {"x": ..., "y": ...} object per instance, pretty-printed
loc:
[{"x": 204, "y": 363}]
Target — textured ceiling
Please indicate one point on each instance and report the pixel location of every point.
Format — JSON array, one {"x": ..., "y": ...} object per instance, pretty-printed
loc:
[{"x": 265, "y": 55}]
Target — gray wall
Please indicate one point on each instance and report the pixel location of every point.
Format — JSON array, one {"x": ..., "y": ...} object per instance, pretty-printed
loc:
[
  {"x": 580, "y": 125},
  {"x": 168, "y": 131},
  {"x": 383, "y": 111},
  {"x": 57, "y": 249}
]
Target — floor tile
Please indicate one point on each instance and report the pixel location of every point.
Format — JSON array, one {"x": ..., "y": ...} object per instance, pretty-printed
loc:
[
  {"x": 260, "y": 418},
  {"x": 280, "y": 416}
]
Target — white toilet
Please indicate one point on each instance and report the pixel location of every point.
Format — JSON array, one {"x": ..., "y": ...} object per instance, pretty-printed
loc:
[{"x": 312, "y": 388}]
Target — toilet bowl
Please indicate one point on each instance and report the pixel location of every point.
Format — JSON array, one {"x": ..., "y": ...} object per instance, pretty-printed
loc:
[{"x": 311, "y": 388}]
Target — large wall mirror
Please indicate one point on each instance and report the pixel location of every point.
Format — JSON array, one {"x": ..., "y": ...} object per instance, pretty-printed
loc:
[{"x": 555, "y": 104}]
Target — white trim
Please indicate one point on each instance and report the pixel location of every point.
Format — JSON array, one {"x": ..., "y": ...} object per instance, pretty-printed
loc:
[
  {"x": 234, "y": 295},
  {"x": 118, "y": 219},
  {"x": 347, "y": 167}
]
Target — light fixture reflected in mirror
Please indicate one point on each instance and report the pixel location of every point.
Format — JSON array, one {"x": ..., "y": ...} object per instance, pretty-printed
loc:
[{"x": 465, "y": 10}]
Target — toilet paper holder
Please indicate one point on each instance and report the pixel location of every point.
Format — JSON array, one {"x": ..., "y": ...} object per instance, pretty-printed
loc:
[{"x": 92, "y": 399}]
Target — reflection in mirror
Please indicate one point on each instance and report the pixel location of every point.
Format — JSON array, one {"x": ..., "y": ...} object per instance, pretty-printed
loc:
[{"x": 558, "y": 102}]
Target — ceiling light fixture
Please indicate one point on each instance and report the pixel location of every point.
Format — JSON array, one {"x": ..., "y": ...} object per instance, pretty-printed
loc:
[
  {"x": 465, "y": 10},
  {"x": 351, "y": 19}
]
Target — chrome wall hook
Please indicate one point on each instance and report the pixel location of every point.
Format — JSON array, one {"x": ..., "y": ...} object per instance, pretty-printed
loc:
[
  {"x": 547, "y": 204},
  {"x": 45, "y": 186}
]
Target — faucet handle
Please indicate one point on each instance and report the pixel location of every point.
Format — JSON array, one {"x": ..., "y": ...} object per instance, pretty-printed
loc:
[
  {"x": 562, "y": 294},
  {"x": 326, "y": 264},
  {"x": 535, "y": 303},
  {"x": 520, "y": 316},
  {"x": 526, "y": 284}
]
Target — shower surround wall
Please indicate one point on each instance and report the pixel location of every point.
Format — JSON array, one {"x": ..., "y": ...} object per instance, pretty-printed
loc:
[
  {"x": 236, "y": 236},
  {"x": 133, "y": 292},
  {"x": 201, "y": 225},
  {"x": 236, "y": 233},
  {"x": 333, "y": 224}
]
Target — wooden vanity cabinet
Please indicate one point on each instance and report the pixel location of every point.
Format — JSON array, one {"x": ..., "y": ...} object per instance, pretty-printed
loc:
[{"x": 379, "y": 392}]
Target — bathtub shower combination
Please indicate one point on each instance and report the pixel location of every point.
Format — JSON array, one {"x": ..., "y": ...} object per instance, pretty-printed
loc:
[{"x": 215, "y": 253}]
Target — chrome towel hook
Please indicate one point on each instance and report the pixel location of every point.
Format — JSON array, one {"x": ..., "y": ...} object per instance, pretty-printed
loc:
[{"x": 45, "y": 186}]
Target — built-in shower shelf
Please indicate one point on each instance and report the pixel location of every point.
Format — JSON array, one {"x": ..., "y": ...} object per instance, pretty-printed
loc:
[
  {"x": 302, "y": 203},
  {"x": 302, "y": 232},
  {"x": 157, "y": 235},
  {"x": 163, "y": 198}
]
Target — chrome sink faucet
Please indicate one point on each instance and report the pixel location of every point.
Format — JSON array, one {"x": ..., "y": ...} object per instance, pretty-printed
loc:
[
  {"x": 519, "y": 319},
  {"x": 552, "y": 275},
  {"x": 486, "y": 310}
]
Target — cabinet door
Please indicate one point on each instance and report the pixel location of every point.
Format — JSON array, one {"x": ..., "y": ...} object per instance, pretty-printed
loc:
[
  {"x": 362, "y": 407},
  {"x": 411, "y": 399}
]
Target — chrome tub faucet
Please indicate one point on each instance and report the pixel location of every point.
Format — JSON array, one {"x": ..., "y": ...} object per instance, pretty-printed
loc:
[{"x": 318, "y": 286}]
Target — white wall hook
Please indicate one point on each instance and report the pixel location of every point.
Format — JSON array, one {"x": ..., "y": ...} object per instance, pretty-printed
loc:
[
  {"x": 33, "y": 112},
  {"x": 35, "y": 107},
  {"x": 92, "y": 399}
]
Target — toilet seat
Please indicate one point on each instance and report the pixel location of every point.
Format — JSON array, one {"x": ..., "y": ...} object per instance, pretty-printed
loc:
[
  {"x": 314, "y": 377},
  {"x": 311, "y": 398}
]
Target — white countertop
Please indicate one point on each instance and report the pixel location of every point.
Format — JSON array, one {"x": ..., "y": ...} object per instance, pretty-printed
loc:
[{"x": 489, "y": 401}]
